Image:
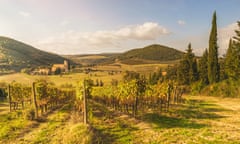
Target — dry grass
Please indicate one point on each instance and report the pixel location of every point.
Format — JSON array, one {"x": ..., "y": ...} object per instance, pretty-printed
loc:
[
  {"x": 199, "y": 119},
  {"x": 60, "y": 79}
]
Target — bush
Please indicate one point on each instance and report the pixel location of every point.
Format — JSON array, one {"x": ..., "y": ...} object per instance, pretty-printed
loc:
[
  {"x": 226, "y": 88},
  {"x": 29, "y": 114},
  {"x": 197, "y": 87}
]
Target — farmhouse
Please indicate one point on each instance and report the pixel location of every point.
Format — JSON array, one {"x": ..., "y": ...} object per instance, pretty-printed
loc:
[
  {"x": 44, "y": 71},
  {"x": 41, "y": 71},
  {"x": 60, "y": 67}
]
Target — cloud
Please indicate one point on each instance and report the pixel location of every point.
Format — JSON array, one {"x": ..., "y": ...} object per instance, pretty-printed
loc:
[
  {"x": 224, "y": 35},
  {"x": 24, "y": 14},
  {"x": 146, "y": 31},
  {"x": 64, "y": 23},
  {"x": 200, "y": 41},
  {"x": 73, "y": 41},
  {"x": 181, "y": 22}
]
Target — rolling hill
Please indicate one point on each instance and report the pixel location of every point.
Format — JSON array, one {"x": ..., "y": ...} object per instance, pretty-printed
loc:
[
  {"x": 153, "y": 52},
  {"x": 149, "y": 54},
  {"x": 15, "y": 55}
]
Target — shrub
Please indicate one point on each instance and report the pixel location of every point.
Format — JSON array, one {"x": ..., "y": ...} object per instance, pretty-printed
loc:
[
  {"x": 226, "y": 88},
  {"x": 29, "y": 114},
  {"x": 197, "y": 87}
]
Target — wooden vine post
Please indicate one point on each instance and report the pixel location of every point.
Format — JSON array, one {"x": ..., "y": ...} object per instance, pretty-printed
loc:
[
  {"x": 85, "y": 118},
  {"x": 34, "y": 99},
  {"x": 10, "y": 98}
]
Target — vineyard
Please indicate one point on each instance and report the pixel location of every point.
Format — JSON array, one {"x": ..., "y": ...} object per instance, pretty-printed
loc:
[
  {"x": 135, "y": 96},
  {"x": 129, "y": 97},
  {"x": 41, "y": 96},
  {"x": 132, "y": 111}
]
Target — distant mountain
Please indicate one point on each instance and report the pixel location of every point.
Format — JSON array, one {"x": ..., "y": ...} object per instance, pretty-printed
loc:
[
  {"x": 15, "y": 55},
  {"x": 153, "y": 52},
  {"x": 149, "y": 54}
]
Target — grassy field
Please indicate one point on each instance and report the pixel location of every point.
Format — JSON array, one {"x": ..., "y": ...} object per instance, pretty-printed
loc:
[
  {"x": 60, "y": 79},
  {"x": 73, "y": 78},
  {"x": 199, "y": 119}
]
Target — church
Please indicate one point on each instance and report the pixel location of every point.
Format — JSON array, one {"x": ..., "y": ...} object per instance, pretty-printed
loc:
[{"x": 60, "y": 67}]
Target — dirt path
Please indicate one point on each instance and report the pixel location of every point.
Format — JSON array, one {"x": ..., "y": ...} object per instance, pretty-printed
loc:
[
  {"x": 41, "y": 132},
  {"x": 113, "y": 127}
]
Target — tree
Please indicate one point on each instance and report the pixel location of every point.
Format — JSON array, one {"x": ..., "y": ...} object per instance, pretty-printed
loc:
[
  {"x": 171, "y": 73},
  {"x": 114, "y": 82},
  {"x": 97, "y": 82},
  {"x": 193, "y": 72},
  {"x": 187, "y": 70},
  {"x": 155, "y": 77},
  {"x": 229, "y": 61},
  {"x": 213, "y": 65},
  {"x": 101, "y": 83},
  {"x": 183, "y": 72},
  {"x": 232, "y": 61},
  {"x": 203, "y": 68},
  {"x": 57, "y": 71},
  {"x": 130, "y": 75},
  {"x": 236, "y": 45}
]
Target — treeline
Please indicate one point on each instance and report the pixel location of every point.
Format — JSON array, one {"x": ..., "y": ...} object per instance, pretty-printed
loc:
[{"x": 209, "y": 73}]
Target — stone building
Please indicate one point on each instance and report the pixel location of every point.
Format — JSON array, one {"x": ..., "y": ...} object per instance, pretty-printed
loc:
[{"x": 60, "y": 67}]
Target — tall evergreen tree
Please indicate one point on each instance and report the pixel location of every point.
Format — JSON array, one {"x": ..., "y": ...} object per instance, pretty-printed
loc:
[
  {"x": 237, "y": 37},
  {"x": 183, "y": 72},
  {"x": 193, "y": 73},
  {"x": 195, "y": 76},
  {"x": 203, "y": 68},
  {"x": 229, "y": 64},
  {"x": 232, "y": 60},
  {"x": 213, "y": 65},
  {"x": 187, "y": 71}
]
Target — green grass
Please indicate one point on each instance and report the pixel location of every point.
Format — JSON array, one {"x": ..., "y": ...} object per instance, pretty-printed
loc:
[
  {"x": 45, "y": 135},
  {"x": 60, "y": 80},
  {"x": 109, "y": 129},
  {"x": 198, "y": 120},
  {"x": 11, "y": 124}
]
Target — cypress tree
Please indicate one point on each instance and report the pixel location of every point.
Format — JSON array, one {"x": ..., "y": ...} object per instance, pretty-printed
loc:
[
  {"x": 183, "y": 72},
  {"x": 236, "y": 49},
  {"x": 213, "y": 65},
  {"x": 187, "y": 70},
  {"x": 232, "y": 60},
  {"x": 229, "y": 64},
  {"x": 237, "y": 37},
  {"x": 203, "y": 68},
  {"x": 195, "y": 75}
]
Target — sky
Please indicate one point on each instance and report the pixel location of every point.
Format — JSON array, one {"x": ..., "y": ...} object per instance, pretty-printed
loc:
[{"x": 104, "y": 26}]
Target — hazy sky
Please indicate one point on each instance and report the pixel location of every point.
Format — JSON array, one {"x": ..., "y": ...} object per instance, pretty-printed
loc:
[{"x": 97, "y": 26}]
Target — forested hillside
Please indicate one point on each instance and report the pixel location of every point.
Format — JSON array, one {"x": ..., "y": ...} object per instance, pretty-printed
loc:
[{"x": 15, "y": 55}]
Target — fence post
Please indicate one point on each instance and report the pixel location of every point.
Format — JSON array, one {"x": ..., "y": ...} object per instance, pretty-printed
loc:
[
  {"x": 10, "y": 98},
  {"x": 85, "y": 119},
  {"x": 34, "y": 99}
]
